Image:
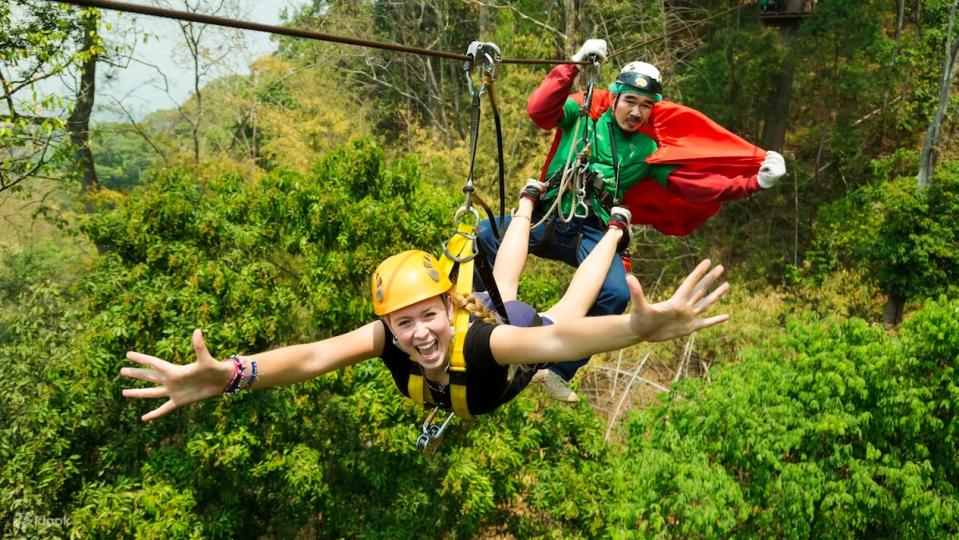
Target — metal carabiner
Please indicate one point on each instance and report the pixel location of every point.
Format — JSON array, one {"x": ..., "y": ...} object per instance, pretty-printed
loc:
[
  {"x": 471, "y": 238},
  {"x": 582, "y": 208},
  {"x": 464, "y": 209},
  {"x": 485, "y": 54},
  {"x": 592, "y": 77},
  {"x": 432, "y": 434}
]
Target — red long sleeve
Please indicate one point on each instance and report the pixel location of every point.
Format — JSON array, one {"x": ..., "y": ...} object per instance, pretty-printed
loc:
[
  {"x": 545, "y": 105},
  {"x": 703, "y": 187}
]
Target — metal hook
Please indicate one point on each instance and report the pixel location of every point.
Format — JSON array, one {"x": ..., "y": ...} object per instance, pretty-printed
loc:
[
  {"x": 463, "y": 209},
  {"x": 485, "y": 54},
  {"x": 432, "y": 434},
  {"x": 471, "y": 238}
]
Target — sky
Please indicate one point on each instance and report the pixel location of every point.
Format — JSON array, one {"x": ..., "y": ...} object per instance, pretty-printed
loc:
[{"x": 159, "y": 73}]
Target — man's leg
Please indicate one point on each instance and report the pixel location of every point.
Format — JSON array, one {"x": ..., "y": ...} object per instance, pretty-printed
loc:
[
  {"x": 584, "y": 287},
  {"x": 489, "y": 244}
]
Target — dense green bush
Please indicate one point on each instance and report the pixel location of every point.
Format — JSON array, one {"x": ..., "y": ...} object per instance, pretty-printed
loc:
[
  {"x": 904, "y": 240},
  {"x": 837, "y": 431},
  {"x": 256, "y": 265},
  {"x": 829, "y": 429}
]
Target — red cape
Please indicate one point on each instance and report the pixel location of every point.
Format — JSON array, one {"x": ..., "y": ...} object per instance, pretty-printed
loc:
[{"x": 690, "y": 139}]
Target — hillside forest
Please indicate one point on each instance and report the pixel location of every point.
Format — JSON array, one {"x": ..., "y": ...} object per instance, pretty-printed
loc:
[{"x": 257, "y": 208}]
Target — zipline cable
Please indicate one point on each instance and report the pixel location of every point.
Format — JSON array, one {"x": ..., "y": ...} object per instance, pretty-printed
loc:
[
  {"x": 282, "y": 30},
  {"x": 319, "y": 36}
]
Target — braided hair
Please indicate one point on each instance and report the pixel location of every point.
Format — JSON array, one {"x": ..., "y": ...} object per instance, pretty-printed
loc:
[{"x": 473, "y": 305}]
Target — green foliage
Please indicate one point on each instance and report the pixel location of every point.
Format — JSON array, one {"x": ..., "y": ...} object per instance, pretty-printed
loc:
[
  {"x": 38, "y": 41},
  {"x": 39, "y": 394},
  {"x": 256, "y": 264},
  {"x": 831, "y": 429},
  {"x": 122, "y": 156},
  {"x": 903, "y": 239},
  {"x": 837, "y": 431},
  {"x": 741, "y": 61}
]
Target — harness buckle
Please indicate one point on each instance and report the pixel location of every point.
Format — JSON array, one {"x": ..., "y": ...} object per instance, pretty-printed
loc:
[{"x": 432, "y": 432}]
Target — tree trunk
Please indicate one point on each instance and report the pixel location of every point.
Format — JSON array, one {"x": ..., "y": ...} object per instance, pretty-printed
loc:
[
  {"x": 569, "y": 9},
  {"x": 195, "y": 128},
  {"x": 78, "y": 124},
  {"x": 900, "y": 20},
  {"x": 927, "y": 158},
  {"x": 777, "y": 120},
  {"x": 892, "y": 312}
]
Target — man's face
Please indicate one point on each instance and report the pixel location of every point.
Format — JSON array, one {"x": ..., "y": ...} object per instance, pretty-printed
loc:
[{"x": 632, "y": 111}]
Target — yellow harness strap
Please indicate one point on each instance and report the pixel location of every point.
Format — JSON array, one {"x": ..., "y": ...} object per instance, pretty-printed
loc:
[{"x": 460, "y": 246}]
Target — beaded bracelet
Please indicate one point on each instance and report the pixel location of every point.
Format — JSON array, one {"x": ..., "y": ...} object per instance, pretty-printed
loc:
[
  {"x": 253, "y": 372},
  {"x": 233, "y": 386}
]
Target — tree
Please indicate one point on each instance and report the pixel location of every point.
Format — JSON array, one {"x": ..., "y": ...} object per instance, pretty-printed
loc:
[
  {"x": 907, "y": 241},
  {"x": 207, "y": 48},
  {"x": 78, "y": 123},
  {"x": 927, "y": 158},
  {"x": 41, "y": 43}
]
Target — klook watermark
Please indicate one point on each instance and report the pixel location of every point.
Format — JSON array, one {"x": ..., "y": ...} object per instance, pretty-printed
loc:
[{"x": 29, "y": 520}]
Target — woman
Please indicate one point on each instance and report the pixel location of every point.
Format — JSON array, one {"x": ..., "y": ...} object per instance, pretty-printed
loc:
[{"x": 415, "y": 304}]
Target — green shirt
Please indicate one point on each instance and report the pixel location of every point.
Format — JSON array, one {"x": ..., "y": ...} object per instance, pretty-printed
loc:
[{"x": 632, "y": 149}]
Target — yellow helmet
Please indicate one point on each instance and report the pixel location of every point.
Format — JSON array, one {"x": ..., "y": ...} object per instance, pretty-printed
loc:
[{"x": 405, "y": 279}]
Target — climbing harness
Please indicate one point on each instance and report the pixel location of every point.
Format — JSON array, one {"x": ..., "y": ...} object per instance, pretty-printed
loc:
[{"x": 575, "y": 175}]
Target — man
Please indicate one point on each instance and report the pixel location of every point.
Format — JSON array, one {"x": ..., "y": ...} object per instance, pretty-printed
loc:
[{"x": 661, "y": 179}]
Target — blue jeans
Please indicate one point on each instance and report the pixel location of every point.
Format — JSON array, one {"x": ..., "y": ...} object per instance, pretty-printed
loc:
[{"x": 569, "y": 243}]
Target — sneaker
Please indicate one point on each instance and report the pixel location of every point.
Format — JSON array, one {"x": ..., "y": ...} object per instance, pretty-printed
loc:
[
  {"x": 555, "y": 386},
  {"x": 620, "y": 217},
  {"x": 533, "y": 190}
]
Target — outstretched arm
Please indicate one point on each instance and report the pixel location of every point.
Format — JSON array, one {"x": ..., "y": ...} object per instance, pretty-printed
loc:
[
  {"x": 207, "y": 377},
  {"x": 581, "y": 337}
]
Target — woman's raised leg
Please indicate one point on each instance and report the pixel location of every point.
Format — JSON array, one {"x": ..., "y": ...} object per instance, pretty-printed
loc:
[
  {"x": 513, "y": 250},
  {"x": 588, "y": 278}
]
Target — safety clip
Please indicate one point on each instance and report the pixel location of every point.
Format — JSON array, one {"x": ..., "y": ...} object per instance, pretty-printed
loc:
[
  {"x": 485, "y": 55},
  {"x": 433, "y": 432}
]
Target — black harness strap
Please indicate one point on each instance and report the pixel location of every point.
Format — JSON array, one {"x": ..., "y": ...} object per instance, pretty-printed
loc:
[
  {"x": 486, "y": 275},
  {"x": 499, "y": 155},
  {"x": 483, "y": 267},
  {"x": 615, "y": 157}
]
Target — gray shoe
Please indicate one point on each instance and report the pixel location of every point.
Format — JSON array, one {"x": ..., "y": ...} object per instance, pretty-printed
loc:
[
  {"x": 555, "y": 386},
  {"x": 622, "y": 215},
  {"x": 533, "y": 190},
  {"x": 621, "y": 218}
]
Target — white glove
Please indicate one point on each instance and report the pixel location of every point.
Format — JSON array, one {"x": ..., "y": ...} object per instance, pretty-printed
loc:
[
  {"x": 772, "y": 169},
  {"x": 592, "y": 46}
]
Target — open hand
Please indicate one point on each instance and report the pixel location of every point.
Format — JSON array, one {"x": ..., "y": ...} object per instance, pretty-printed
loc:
[
  {"x": 680, "y": 315},
  {"x": 182, "y": 384}
]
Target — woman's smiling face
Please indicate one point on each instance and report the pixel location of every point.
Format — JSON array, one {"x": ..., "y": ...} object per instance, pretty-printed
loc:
[{"x": 423, "y": 331}]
